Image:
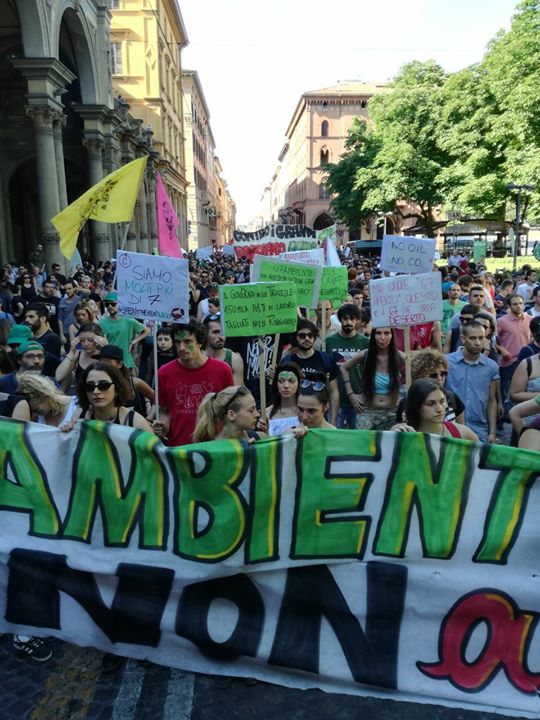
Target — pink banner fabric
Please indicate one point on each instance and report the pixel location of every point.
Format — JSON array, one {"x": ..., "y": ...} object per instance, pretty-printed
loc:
[{"x": 167, "y": 223}]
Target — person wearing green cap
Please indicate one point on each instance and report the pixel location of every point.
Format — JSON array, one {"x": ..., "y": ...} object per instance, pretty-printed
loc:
[
  {"x": 18, "y": 334},
  {"x": 125, "y": 332},
  {"x": 30, "y": 357}
]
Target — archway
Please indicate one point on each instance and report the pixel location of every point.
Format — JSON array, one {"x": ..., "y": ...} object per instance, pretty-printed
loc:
[
  {"x": 322, "y": 221},
  {"x": 74, "y": 53},
  {"x": 24, "y": 203}
]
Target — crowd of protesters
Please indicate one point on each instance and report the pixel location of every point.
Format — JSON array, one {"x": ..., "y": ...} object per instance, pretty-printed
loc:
[{"x": 67, "y": 355}]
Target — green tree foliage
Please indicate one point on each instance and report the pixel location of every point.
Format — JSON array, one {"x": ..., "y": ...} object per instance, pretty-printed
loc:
[
  {"x": 409, "y": 161},
  {"x": 360, "y": 149},
  {"x": 454, "y": 140}
]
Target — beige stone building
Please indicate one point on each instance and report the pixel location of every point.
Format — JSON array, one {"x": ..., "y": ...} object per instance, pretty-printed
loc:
[
  {"x": 61, "y": 131},
  {"x": 315, "y": 136},
  {"x": 210, "y": 208},
  {"x": 147, "y": 38}
]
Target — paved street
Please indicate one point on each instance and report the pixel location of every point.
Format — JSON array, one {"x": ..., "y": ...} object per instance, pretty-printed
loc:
[{"x": 73, "y": 686}]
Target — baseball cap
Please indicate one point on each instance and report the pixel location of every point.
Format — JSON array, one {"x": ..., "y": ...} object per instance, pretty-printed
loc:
[
  {"x": 111, "y": 297},
  {"x": 112, "y": 352},
  {"x": 27, "y": 346},
  {"x": 18, "y": 334}
]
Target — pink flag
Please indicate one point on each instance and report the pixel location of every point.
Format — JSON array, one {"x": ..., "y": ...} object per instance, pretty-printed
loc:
[{"x": 167, "y": 223}]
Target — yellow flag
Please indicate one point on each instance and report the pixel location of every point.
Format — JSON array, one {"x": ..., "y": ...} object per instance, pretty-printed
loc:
[{"x": 110, "y": 200}]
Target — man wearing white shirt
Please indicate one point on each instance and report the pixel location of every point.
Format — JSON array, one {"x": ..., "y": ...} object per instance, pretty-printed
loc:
[
  {"x": 534, "y": 310},
  {"x": 526, "y": 288}
]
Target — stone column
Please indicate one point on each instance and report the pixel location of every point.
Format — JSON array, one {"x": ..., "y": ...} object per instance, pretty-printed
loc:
[
  {"x": 49, "y": 200},
  {"x": 98, "y": 230},
  {"x": 58, "y": 123}
]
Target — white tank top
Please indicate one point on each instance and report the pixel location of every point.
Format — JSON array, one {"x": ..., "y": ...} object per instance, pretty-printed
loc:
[{"x": 71, "y": 409}]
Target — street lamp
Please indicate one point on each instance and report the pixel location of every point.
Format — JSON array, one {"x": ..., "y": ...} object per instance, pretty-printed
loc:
[{"x": 518, "y": 189}]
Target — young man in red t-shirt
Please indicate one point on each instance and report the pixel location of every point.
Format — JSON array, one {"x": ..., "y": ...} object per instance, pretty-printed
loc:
[{"x": 184, "y": 382}]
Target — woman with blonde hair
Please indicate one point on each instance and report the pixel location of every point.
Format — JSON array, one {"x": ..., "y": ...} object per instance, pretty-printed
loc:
[
  {"x": 44, "y": 403},
  {"x": 231, "y": 413},
  {"x": 83, "y": 314}
]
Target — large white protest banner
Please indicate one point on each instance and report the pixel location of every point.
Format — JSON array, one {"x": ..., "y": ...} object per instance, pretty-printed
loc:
[
  {"x": 152, "y": 287},
  {"x": 407, "y": 254},
  {"x": 397, "y": 565},
  {"x": 406, "y": 300},
  {"x": 274, "y": 239},
  {"x": 308, "y": 257}
]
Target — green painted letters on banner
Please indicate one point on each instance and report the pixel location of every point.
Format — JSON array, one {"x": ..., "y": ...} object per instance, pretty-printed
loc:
[
  {"x": 439, "y": 494},
  {"x": 202, "y": 484},
  {"x": 98, "y": 482},
  {"x": 518, "y": 473},
  {"x": 30, "y": 493},
  {"x": 264, "y": 500},
  {"x": 258, "y": 309},
  {"x": 320, "y": 494}
]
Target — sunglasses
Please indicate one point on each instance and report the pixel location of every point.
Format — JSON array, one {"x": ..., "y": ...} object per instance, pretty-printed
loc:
[
  {"x": 34, "y": 356},
  {"x": 102, "y": 386},
  {"x": 438, "y": 374},
  {"x": 303, "y": 336},
  {"x": 110, "y": 304},
  {"x": 214, "y": 316},
  {"x": 317, "y": 385}
]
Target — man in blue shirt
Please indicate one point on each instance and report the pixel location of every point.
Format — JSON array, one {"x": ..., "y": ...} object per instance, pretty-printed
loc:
[{"x": 473, "y": 377}]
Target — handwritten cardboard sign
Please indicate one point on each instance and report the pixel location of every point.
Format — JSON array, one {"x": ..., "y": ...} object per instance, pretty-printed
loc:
[
  {"x": 407, "y": 254},
  {"x": 258, "y": 309},
  {"x": 152, "y": 287},
  {"x": 306, "y": 278},
  {"x": 308, "y": 257},
  {"x": 406, "y": 300},
  {"x": 334, "y": 284}
]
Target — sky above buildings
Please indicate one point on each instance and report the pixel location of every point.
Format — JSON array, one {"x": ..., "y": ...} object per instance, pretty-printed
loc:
[{"x": 256, "y": 59}]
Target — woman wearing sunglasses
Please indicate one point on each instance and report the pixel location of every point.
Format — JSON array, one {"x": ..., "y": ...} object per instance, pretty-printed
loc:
[
  {"x": 433, "y": 364},
  {"x": 381, "y": 364},
  {"x": 226, "y": 415},
  {"x": 312, "y": 405},
  {"x": 282, "y": 415},
  {"x": 102, "y": 392},
  {"x": 425, "y": 408}
]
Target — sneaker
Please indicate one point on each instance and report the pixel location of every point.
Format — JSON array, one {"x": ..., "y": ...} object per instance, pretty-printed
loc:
[{"x": 33, "y": 647}]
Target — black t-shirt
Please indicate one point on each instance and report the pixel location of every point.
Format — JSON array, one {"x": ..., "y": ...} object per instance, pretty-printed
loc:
[
  {"x": 320, "y": 363},
  {"x": 50, "y": 342}
]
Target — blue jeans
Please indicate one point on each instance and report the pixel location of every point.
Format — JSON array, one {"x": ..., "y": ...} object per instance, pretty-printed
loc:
[{"x": 346, "y": 417}]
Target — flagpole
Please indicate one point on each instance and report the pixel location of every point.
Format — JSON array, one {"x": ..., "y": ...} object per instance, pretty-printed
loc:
[
  {"x": 156, "y": 385},
  {"x": 122, "y": 247},
  {"x": 124, "y": 238}
]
